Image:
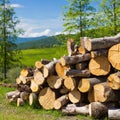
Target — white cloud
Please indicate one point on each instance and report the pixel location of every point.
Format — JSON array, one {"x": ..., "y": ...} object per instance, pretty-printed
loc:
[{"x": 16, "y": 5}]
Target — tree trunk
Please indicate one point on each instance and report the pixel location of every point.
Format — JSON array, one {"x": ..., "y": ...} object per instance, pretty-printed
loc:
[
  {"x": 61, "y": 101},
  {"x": 114, "y": 56},
  {"x": 114, "y": 80},
  {"x": 99, "y": 43},
  {"x": 47, "y": 98},
  {"x": 70, "y": 60},
  {"x": 99, "y": 66}
]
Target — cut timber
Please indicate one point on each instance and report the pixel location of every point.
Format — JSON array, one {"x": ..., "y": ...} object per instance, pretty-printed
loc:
[
  {"x": 114, "y": 56},
  {"x": 26, "y": 72},
  {"x": 99, "y": 66},
  {"x": 49, "y": 69},
  {"x": 85, "y": 84},
  {"x": 61, "y": 101},
  {"x": 44, "y": 61},
  {"x": 34, "y": 87},
  {"x": 98, "y": 43},
  {"x": 98, "y": 110},
  {"x": 61, "y": 70},
  {"x": 70, "y": 83},
  {"x": 20, "y": 102},
  {"x": 38, "y": 64},
  {"x": 81, "y": 65},
  {"x": 64, "y": 90},
  {"x": 103, "y": 93},
  {"x": 74, "y": 96},
  {"x": 114, "y": 80},
  {"x": 82, "y": 50},
  {"x": 69, "y": 60},
  {"x": 38, "y": 77},
  {"x": 47, "y": 98},
  {"x": 99, "y": 52},
  {"x": 32, "y": 99},
  {"x": 91, "y": 97},
  {"x": 54, "y": 82},
  {"x": 24, "y": 95},
  {"x": 72, "y": 109},
  {"x": 114, "y": 114},
  {"x": 78, "y": 73},
  {"x": 71, "y": 47},
  {"x": 11, "y": 93}
]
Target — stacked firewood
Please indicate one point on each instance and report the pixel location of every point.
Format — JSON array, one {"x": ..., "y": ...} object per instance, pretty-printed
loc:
[{"x": 86, "y": 81}]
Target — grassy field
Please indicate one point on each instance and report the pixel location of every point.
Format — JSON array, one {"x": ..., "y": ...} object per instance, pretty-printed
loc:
[
  {"x": 11, "y": 112},
  {"x": 32, "y": 55}
]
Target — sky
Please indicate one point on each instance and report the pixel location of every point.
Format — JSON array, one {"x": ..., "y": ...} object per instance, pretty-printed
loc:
[{"x": 40, "y": 17}]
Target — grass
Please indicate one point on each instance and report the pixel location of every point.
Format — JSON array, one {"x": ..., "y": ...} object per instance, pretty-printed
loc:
[
  {"x": 30, "y": 56},
  {"x": 11, "y": 112}
]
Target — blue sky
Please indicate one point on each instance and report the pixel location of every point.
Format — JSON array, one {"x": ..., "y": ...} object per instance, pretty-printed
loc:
[{"x": 39, "y": 17}]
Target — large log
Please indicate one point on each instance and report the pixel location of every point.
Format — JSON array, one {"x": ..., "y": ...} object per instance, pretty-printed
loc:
[
  {"x": 54, "y": 82},
  {"x": 99, "y": 43},
  {"x": 74, "y": 96},
  {"x": 114, "y": 56},
  {"x": 47, "y": 98},
  {"x": 114, "y": 114},
  {"x": 61, "y": 101},
  {"x": 103, "y": 93},
  {"x": 113, "y": 80},
  {"x": 99, "y": 66},
  {"x": 69, "y": 60},
  {"x": 85, "y": 84}
]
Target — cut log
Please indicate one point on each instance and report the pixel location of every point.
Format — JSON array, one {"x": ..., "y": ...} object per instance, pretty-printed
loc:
[
  {"x": 69, "y": 60},
  {"x": 74, "y": 96},
  {"x": 38, "y": 64},
  {"x": 91, "y": 97},
  {"x": 103, "y": 93},
  {"x": 63, "y": 90},
  {"x": 81, "y": 65},
  {"x": 49, "y": 69},
  {"x": 99, "y": 66},
  {"x": 70, "y": 83},
  {"x": 61, "y": 70},
  {"x": 44, "y": 61},
  {"x": 38, "y": 77},
  {"x": 47, "y": 98},
  {"x": 32, "y": 99},
  {"x": 114, "y": 80},
  {"x": 60, "y": 102},
  {"x": 78, "y": 73},
  {"x": 98, "y": 110},
  {"x": 34, "y": 87},
  {"x": 99, "y": 52},
  {"x": 114, "y": 56},
  {"x": 72, "y": 109},
  {"x": 27, "y": 72},
  {"x": 114, "y": 114},
  {"x": 98, "y": 43},
  {"x": 11, "y": 93},
  {"x": 24, "y": 95},
  {"x": 54, "y": 82},
  {"x": 82, "y": 50},
  {"x": 20, "y": 102},
  {"x": 85, "y": 84}
]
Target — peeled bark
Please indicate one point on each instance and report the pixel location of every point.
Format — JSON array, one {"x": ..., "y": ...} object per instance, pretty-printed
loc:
[
  {"x": 114, "y": 56},
  {"x": 99, "y": 66},
  {"x": 114, "y": 81}
]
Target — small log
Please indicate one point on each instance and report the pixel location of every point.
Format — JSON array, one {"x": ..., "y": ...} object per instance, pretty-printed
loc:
[
  {"x": 103, "y": 93},
  {"x": 99, "y": 66},
  {"x": 44, "y": 61},
  {"x": 49, "y": 69},
  {"x": 98, "y": 110},
  {"x": 47, "y": 98},
  {"x": 72, "y": 109},
  {"x": 81, "y": 65},
  {"x": 91, "y": 97},
  {"x": 60, "y": 102},
  {"x": 99, "y": 43},
  {"x": 63, "y": 90},
  {"x": 114, "y": 56},
  {"x": 20, "y": 102},
  {"x": 100, "y": 52},
  {"x": 27, "y": 72},
  {"x": 38, "y": 64},
  {"x": 34, "y": 87},
  {"x": 114, "y": 114},
  {"x": 38, "y": 77},
  {"x": 61, "y": 70},
  {"x": 70, "y": 83},
  {"x": 32, "y": 99},
  {"x": 70, "y": 60},
  {"x": 78, "y": 73},
  {"x": 24, "y": 95},
  {"x": 85, "y": 84},
  {"x": 82, "y": 50},
  {"x": 113, "y": 81},
  {"x": 74, "y": 96},
  {"x": 11, "y": 93},
  {"x": 54, "y": 82}
]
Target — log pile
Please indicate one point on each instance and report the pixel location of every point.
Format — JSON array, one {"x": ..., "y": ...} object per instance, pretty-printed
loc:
[{"x": 86, "y": 81}]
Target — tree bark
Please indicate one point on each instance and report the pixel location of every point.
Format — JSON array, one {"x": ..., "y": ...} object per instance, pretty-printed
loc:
[
  {"x": 81, "y": 65},
  {"x": 114, "y": 114}
]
